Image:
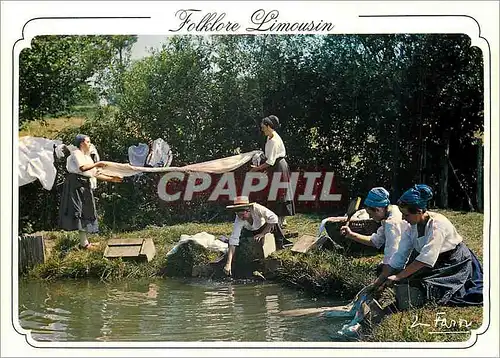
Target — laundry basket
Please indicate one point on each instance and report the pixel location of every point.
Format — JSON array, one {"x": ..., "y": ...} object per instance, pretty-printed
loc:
[{"x": 360, "y": 226}]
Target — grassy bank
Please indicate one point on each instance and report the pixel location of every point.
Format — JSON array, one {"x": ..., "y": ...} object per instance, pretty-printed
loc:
[
  {"x": 50, "y": 127},
  {"x": 318, "y": 272}
]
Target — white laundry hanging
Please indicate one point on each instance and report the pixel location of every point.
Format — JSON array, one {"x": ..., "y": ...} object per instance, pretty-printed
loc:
[
  {"x": 137, "y": 154},
  {"x": 36, "y": 161},
  {"x": 160, "y": 155}
]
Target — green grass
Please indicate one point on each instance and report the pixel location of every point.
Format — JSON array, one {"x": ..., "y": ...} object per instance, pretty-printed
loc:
[
  {"x": 49, "y": 127},
  {"x": 407, "y": 326},
  {"x": 318, "y": 272},
  {"x": 66, "y": 261}
]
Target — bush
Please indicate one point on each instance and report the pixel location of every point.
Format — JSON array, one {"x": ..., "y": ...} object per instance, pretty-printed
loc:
[{"x": 324, "y": 272}]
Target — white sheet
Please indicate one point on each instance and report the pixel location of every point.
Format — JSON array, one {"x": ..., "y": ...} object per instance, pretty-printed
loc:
[
  {"x": 36, "y": 161},
  {"x": 216, "y": 166},
  {"x": 202, "y": 238}
]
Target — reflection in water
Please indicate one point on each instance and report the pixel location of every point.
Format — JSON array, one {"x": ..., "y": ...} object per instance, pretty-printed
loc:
[{"x": 168, "y": 310}]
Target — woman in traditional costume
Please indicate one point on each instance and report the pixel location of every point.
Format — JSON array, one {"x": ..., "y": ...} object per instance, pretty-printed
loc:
[
  {"x": 432, "y": 255},
  {"x": 275, "y": 162},
  {"x": 77, "y": 210}
]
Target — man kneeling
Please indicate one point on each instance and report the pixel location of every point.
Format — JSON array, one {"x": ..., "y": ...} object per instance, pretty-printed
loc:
[{"x": 255, "y": 218}]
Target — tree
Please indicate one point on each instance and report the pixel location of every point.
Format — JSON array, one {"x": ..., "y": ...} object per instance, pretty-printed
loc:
[{"x": 55, "y": 67}]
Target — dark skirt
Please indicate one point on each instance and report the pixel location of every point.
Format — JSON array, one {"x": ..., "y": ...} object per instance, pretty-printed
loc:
[
  {"x": 282, "y": 206},
  {"x": 456, "y": 279},
  {"x": 77, "y": 210}
]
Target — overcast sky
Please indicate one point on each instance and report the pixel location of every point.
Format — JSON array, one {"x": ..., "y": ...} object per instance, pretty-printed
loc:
[{"x": 141, "y": 47}]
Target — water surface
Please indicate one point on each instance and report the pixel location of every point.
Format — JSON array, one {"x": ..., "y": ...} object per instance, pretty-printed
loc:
[{"x": 174, "y": 310}]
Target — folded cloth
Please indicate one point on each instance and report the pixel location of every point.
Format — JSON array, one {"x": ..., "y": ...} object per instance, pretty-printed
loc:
[{"x": 350, "y": 330}]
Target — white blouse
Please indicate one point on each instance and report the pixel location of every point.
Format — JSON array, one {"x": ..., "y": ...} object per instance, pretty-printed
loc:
[
  {"x": 439, "y": 236},
  {"x": 389, "y": 233},
  {"x": 260, "y": 215},
  {"x": 274, "y": 149},
  {"x": 76, "y": 160}
]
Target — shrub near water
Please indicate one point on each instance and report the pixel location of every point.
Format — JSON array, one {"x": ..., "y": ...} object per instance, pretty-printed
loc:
[
  {"x": 187, "y": 256},
  {"x": 324, "y": 273}
]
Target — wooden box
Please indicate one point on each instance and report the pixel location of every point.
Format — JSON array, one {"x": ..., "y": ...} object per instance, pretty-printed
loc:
[
  {"x": 134, "y": 249},
  {"x": 269, "y": 245},
  {"x": 250, "y": 250},
  {"x": 308, "y": 242}
]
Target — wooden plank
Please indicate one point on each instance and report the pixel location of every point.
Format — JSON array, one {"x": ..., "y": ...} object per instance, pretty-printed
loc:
[
  {"x": 148, "y": 249},
  {"x": 122, "y": 251},
  {"x": 269, "y": 245},
  {"x": 125, "y": 242},
  {"x": 338, "y": 311},
  {"x": 30, "y": 252},
  {"x": 304, "y": 243}
]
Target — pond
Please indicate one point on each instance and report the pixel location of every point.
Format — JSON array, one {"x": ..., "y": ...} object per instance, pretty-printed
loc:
[{"x": 171, "y": 310}]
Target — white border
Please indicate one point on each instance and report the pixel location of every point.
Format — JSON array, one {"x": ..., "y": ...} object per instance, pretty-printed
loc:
[{"x": 16, "y": 24}]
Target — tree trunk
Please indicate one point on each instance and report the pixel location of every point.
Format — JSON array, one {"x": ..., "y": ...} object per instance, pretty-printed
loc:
[
  {"x": 395, "y": 184},
  {"x": 469, "y": 201},
  {"x": 423, "y": 170},
  {"x": 480, "y": 166},
  {"x": 443, "y": 178}
]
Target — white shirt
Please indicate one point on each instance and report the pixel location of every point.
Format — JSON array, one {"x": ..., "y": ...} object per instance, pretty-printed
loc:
[
  {"x": 274, "y": 148},
  {"x": 76, "y": 160},
  {"x": 260, "y": 215},
  {"x": 389, "y": 233},
  {"x": 439, "y": 236}
]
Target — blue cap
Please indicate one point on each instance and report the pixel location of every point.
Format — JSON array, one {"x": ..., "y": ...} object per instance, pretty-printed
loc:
[
  {"x": 79, "y": 139},
  {"x": 377, "y": 198},
  {"x": 417, "y": 196}
]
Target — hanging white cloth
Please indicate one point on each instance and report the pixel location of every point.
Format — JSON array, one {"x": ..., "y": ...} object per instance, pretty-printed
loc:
[
  {"x": 160, "y": 155},
  {"x": 36, "y": 161},
  {"x": 137, "y": 154}
]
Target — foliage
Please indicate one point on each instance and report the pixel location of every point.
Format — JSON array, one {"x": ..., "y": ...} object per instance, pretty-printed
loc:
[
  {"x": 377, "y": 110},
  {"x": 55, "y": 72}
]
